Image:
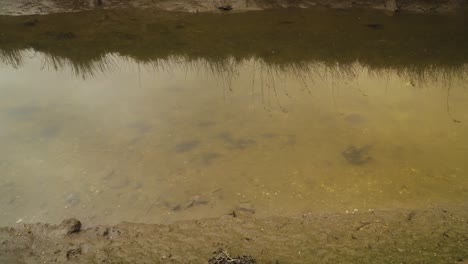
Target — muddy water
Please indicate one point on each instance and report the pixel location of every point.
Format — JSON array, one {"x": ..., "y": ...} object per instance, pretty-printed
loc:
[
  {"x": 264, "y": 125},
  {"x": 157, "y": 143}
]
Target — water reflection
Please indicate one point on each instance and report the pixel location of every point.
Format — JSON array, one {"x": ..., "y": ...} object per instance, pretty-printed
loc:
[
  {"x": 291, "y": 38},
  {"x": 265, "y": 77}
]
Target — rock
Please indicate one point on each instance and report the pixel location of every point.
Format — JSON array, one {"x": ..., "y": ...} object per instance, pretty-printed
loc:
[
  {"x": 226, "y": 7},
  {"x": 223, "y": 5},
  {"x": 70, "y": 226}
]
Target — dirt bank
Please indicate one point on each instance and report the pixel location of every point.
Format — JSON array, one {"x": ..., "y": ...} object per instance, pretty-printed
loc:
[
  {"x": 28, "y": 7},
  {"x": 399, "y": 236}
]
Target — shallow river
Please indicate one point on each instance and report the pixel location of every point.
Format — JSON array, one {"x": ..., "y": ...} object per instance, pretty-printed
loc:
[{"x": 158, "y": 141}]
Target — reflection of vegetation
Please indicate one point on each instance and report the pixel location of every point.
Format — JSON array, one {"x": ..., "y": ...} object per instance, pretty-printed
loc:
[
  {"x": 83, "y": 68},
  {"x": 307, "y": 44},
  {"x": 12, "y": 57},
  {"x": 285, "y": 40}
]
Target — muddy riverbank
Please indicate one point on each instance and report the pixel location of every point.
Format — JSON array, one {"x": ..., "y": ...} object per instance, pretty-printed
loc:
[
  {"x": 27, "y": 7},
  {"x": 397, "y": 236}
]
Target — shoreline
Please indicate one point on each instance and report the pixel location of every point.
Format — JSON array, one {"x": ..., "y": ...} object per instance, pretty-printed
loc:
[
  {"x": 43, "y": 7},
  {"x": 412, "y": 236}
]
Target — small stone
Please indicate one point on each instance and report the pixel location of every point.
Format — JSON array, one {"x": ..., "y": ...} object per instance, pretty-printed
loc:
[
  {"x": 71, "y": 226},
  {"x": 392, "y": 5},
  {"x": 225, "y": 7}
]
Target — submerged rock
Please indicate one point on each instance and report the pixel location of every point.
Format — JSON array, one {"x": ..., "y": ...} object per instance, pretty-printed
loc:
[
  {"x": 246, "y": 207},
  {"x": 192, "y": 202},
  {"x": 357, "y": 155}
]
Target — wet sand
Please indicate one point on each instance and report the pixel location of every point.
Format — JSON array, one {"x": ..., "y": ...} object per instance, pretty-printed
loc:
[{"x": 399, "y": 236}]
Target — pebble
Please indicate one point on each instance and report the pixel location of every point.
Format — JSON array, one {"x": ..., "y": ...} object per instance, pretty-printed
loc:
[{"x": 71, "y": 226}]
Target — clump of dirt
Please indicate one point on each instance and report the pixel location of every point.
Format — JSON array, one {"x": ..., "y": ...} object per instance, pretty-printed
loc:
[{"x": 71, "y": 226}]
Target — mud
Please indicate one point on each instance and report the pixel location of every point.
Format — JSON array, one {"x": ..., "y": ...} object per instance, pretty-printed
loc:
[{"x": 397, "y": 236}]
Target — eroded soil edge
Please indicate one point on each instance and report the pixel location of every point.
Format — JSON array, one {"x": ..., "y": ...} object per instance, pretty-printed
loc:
[{"x": 397, "y": 236}]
